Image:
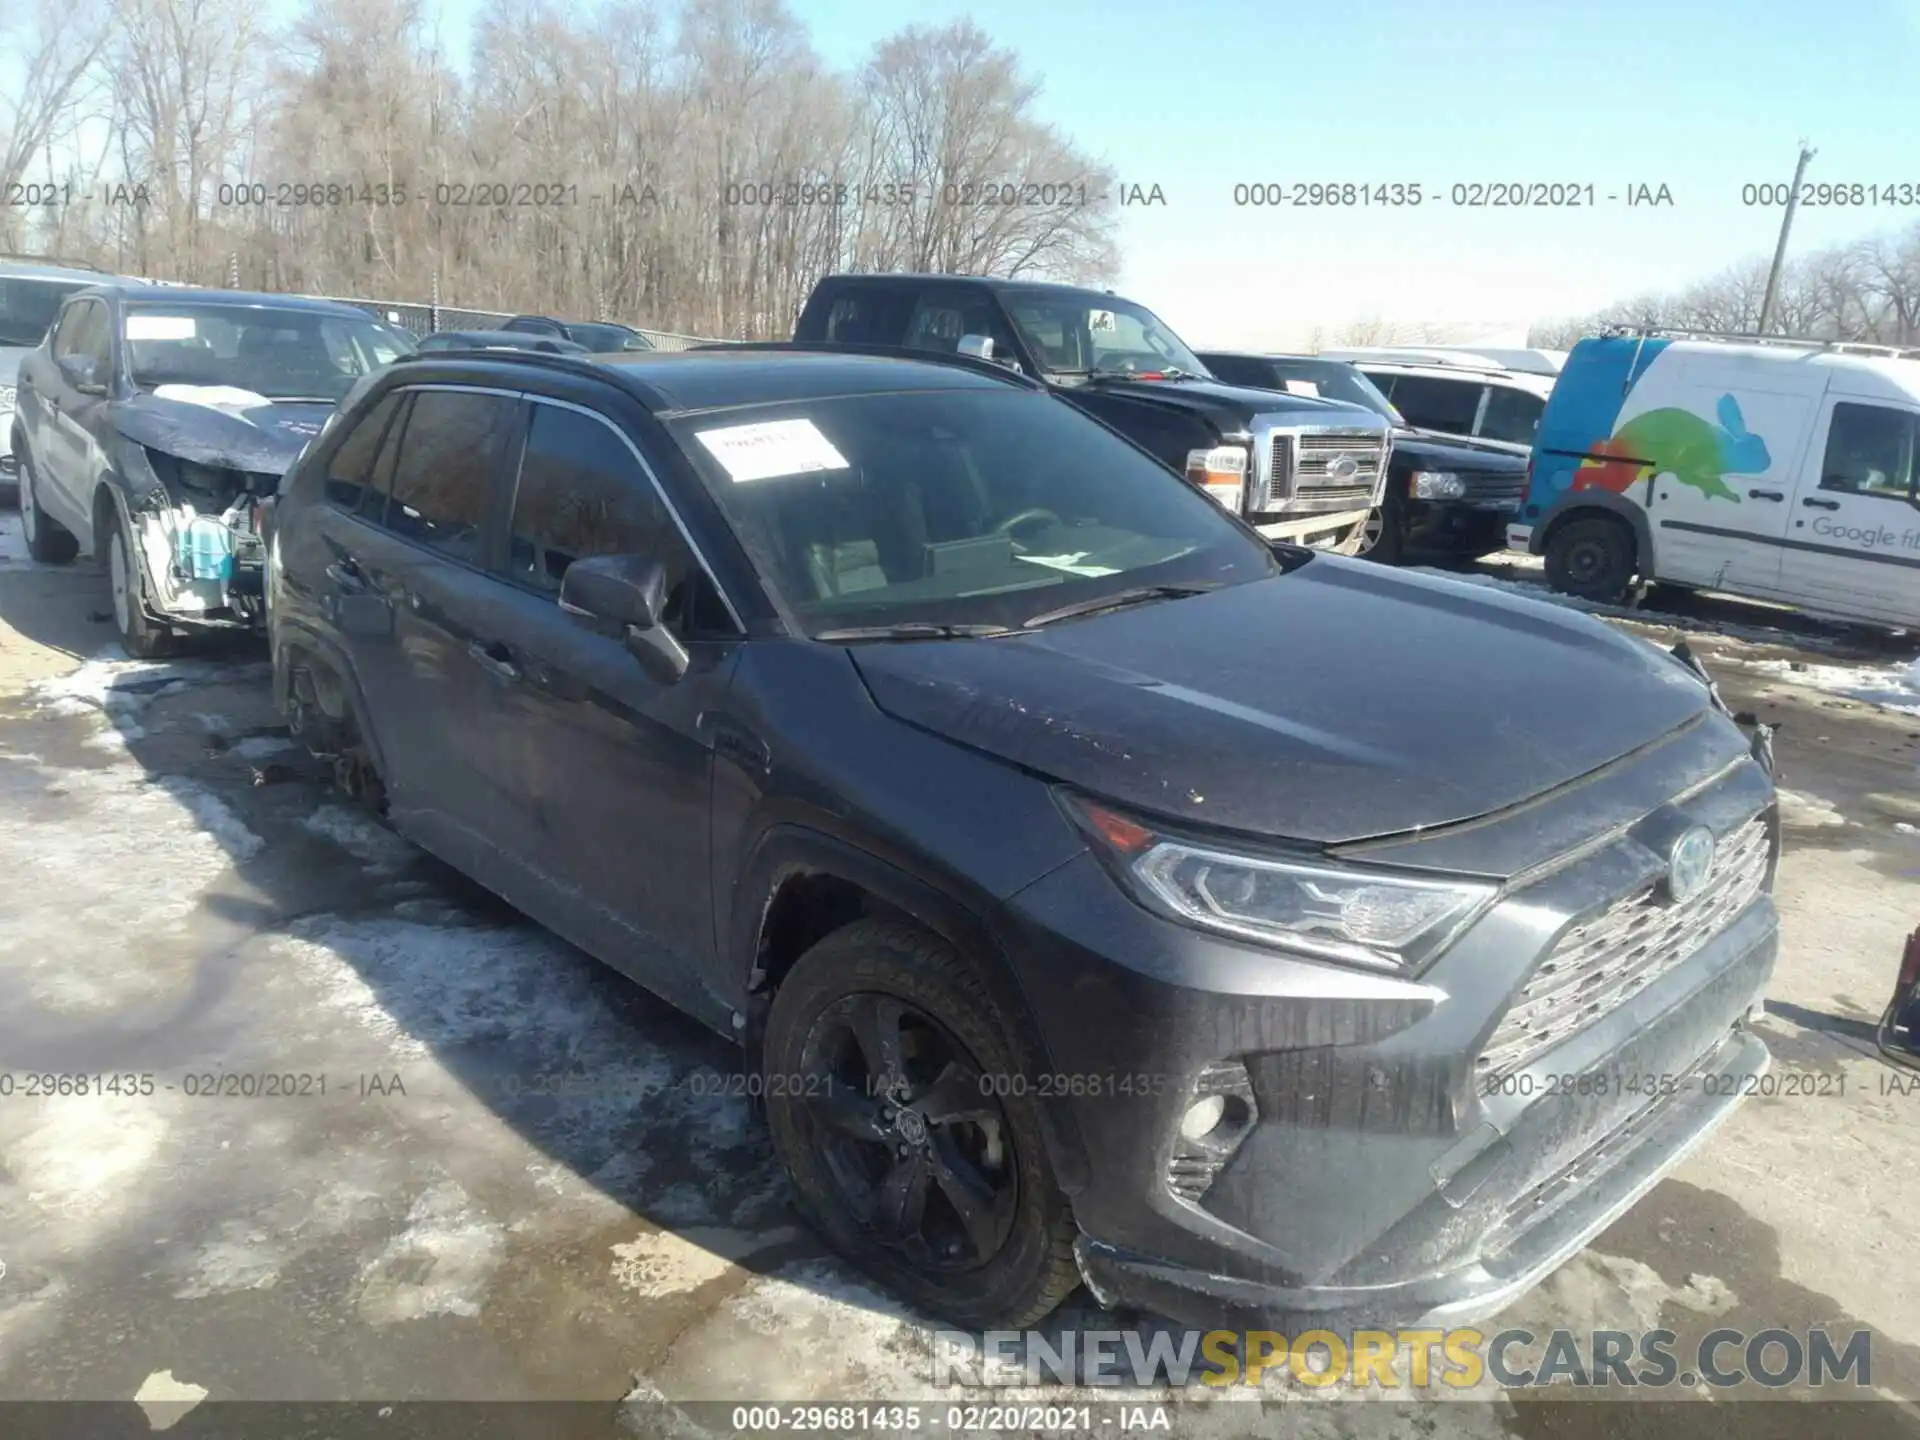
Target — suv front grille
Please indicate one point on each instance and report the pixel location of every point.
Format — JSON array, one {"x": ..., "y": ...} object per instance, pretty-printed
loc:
[
  {"x": 1493, "y": 486},
  {"x": 1602, "y": 962}
]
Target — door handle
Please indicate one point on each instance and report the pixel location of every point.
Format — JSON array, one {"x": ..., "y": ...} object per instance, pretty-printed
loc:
[
  {"x": 1765, "y": 495},
  {"x": 346, "y": 576},
  {"x": 495, "y": 659},
  {"x": 1821, "y": 504}
]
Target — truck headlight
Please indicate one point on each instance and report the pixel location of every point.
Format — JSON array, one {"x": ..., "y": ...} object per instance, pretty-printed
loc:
[
  {"x": 1436, "y": 485},
  {"x": 1380, "y": 919},
  {"x": 1222, "y": 473}
]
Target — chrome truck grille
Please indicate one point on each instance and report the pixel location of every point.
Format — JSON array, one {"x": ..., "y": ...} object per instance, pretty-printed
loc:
[
  {"x": 1605, "y": 960},
  {"x": 1307, "y": 470}
]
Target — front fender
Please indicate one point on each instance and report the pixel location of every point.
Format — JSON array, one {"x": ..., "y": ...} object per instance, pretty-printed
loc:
[
  {"x": 786, "y": 850},
  {"x": 1577, "y": 502}
]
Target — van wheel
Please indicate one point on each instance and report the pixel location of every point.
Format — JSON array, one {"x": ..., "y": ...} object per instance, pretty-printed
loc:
[
  {"x": 48, "y": 541},
  {"x": 880, "y": 1051},
  {"x": 1592, "y": 557},
  {"x": 139, "y": 636}
]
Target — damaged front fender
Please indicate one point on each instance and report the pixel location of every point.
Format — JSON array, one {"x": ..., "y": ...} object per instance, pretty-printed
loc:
[{"x": 195, "y": 543}]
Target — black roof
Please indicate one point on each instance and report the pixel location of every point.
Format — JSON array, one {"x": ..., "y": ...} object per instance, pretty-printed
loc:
[
  {"x": 193, "y": 295},
  {"x": 673, "y": 381},
  {"x": 989, "y": 282}
]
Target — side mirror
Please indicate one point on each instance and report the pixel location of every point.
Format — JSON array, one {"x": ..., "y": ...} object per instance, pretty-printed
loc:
[
  {"x": 980, "y": 347},
  {"x": 83, "y": 373},
  {"x": 626, "y": 595}
]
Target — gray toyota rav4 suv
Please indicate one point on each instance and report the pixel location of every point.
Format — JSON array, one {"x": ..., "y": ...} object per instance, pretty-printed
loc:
[{"x": 1099, "y": 891}]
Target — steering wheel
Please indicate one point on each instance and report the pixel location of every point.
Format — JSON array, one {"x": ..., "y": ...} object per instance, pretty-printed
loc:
[{"x": 1025, "y": 518}]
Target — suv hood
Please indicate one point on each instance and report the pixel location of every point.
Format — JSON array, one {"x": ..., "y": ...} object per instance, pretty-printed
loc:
[
  {"x": 1232, "y": 405},
  {"x": 217, "y": 426},
  {"x": 1449, "y": 452},
  {"x": 1339, "y": 702}
]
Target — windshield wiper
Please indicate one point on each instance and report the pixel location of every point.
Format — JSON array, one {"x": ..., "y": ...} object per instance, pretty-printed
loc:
[
  {"x": 1172, "y": 372},
  {"x": 1139, "y": 595},
  {"x": 911, "y": 630}
]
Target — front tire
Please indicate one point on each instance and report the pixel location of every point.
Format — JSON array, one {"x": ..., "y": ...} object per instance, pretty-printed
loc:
[
  {"x": 1593, "y": 557},
  {"x": 880, "y": 1055},
  {"x": 48, "y": 541},
  {"x": 140, "y": 637}
]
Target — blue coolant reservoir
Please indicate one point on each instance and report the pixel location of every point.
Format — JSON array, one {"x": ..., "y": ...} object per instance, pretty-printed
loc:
[{"x": 208, "y": 549}]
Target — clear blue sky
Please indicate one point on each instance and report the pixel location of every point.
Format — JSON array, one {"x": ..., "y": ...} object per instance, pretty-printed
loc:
[{"x": 1200, "y": 95}]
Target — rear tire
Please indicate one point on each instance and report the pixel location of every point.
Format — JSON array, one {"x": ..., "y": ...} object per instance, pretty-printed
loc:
[
  {"x": 1004, "y": 1258},
  {"x": 48, "y": 541},
  {"x": 1593, "y": 557},
  {"x": 140, "y": 636}
]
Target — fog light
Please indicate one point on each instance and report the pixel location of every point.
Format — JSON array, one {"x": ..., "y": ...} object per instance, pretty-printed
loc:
[{"x": 1202, "y": 1116}]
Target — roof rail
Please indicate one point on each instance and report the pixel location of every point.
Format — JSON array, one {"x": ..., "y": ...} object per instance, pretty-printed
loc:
[
  {"x": 1744, "y": 337},
  {"x": 555, "y": 359},
  {"x": 884, "y": 352},
  {"x": 57, "y": 262}
]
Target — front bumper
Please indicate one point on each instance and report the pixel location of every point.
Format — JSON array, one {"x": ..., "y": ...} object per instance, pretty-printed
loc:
[
  {"x": 1382, "y": 1181},
  {"x": 1454, "y": 527},
  {"x": 1312, "y": 530}
]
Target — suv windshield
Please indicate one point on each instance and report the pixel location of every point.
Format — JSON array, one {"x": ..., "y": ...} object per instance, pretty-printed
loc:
[
  {"x": 955, "y": 507},
  {"x": 27, "y": 307},
  {"x": 1337, "y": 380},
  {"x": 279, "y": 354},
  {"x": 1079, "y": 335}
]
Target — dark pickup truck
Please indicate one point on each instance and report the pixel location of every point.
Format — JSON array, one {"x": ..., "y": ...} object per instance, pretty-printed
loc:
[
  {"x": 1446, "y": 495},
  {"x": 1299, "y": 469}
]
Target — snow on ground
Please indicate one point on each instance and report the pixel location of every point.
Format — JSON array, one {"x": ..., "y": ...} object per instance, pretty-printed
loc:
[{"x": 1891, "y": 687}]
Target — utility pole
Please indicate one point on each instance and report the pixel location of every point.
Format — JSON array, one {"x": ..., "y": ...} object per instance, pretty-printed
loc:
[{"x": 1780, "y": 249}]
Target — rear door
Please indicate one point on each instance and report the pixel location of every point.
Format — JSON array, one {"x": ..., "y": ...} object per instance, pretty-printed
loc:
[
  {"x": 601, "y": 776},
  {"x": 1853, "y": 545},
  {"x": 406, "y": 577}
]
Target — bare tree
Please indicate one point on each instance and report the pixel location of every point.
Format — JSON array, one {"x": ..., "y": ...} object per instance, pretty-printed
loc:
[{"x": 54, "y": 47}]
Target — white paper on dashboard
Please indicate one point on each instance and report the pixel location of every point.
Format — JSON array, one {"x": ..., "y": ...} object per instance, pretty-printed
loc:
[
  {"x": 772, "y": 448},
  {"x": 214, "y": 397},
  {"x": 1069, "y": 563},
  {"x": 160, "y": 327},
  {"x": 1303, "y": 387}
]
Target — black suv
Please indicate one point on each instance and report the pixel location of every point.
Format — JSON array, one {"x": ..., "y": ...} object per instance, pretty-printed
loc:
[
  {"x": 1098, "y": 891},
  {"x": 1296, "y": 468},
  {"x": 1445, "y": 495},
  {"x": 599, "y": 337}
]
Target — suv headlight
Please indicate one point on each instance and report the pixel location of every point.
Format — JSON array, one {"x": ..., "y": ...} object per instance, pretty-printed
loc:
[
  {"x": 1437, "y": 485},
  {"x": 1381, "y": 919}
]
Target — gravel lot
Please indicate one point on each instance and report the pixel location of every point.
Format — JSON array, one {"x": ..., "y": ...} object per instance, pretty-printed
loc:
[{"x": 187, "y": 899}]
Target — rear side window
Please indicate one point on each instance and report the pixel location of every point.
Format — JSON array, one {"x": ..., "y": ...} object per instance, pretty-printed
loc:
[
  {"x": 1870, "y": 451},
  {"x": 1448, "y": 405},
  {"x": 870, "y": 315},
  {"x": 350, "y": 471},
  {"x": 582, "y": 493},
  {"x": 452, "y": 442},
  {"x": 1512, "y": 415},
  {"x": 1239, "y": 370}
]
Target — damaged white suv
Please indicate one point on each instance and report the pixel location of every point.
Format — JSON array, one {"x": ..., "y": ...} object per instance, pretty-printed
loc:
[{"x": 149, "y": 422}]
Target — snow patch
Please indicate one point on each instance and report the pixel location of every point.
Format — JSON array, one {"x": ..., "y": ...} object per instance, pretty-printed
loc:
[
  {"x": 241, "y": 1258},
  {"x": 87, "y": 1153},
  {"x": 439, "y": 1265},
  {"x": 1890, "y": 687},
  {"x": 166, "y": 1400},
  {"x": 259, "y": 747},
  {"x": 1808, "y": 811},
  {"x": 664, "y": 1263},
  {"x": 377, "y": 848}
]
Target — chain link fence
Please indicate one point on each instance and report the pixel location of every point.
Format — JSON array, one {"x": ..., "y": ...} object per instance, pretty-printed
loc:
[{"x": 426, "y": 319}]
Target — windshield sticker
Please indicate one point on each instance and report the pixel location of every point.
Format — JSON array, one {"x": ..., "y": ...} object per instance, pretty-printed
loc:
[
  {"x": 1303, "y": 387},
  {"x": 1100, "y": 320},
  {"x": 773, "y": 448},
  {"x": 1069, "y": 563},
  {"x": 160, "y": 327}
]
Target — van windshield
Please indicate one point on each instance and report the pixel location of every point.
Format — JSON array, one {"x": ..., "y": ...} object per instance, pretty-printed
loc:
[{"x": 955, "y": 507}]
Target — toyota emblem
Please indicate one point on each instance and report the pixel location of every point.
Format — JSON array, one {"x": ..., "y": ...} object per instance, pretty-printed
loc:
[{"x": 1690, "y": 863}]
